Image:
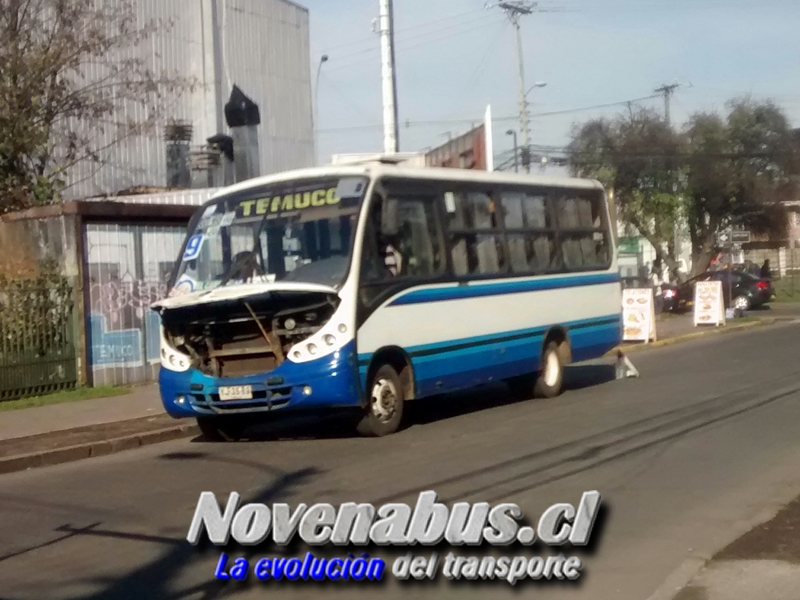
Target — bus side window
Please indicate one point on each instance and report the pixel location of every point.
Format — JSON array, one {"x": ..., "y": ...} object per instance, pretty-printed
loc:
[
  {"x": 476, "y": 242},
  {"x": 415, "y": 250},
  {"x": 584, "y": 239},
  {"x": 372, "y": 263},
  {"x": 530, "y": 233}
]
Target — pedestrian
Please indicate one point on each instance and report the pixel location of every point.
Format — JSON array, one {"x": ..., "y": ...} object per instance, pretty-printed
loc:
[
  {"x": 766, "y": 272},
  {"x": 655, "y": 282}
]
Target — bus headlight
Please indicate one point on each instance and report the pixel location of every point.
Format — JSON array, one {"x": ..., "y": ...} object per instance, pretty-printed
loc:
[
  {"x": 342, "y": 328},
  {"x": 329, "y": 340},
  {"x": 312, "y": 349},
  {"x": 290, "y": 324}
]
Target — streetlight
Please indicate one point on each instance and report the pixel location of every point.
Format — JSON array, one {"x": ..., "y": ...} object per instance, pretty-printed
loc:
[
  {"x": 323, "y": 59},
  {"x": 538, "y": 84},
  {"x": 516, "y": 161}
]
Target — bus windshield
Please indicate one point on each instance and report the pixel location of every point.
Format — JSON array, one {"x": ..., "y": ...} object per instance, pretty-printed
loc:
[{"x": 297, "y": 231}]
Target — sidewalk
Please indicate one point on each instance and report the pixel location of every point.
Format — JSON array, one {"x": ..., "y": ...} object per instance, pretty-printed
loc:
[
  {"x": 59, "y": 433},
  {"x": 143, "y": 401},
  {"x": 764, "y": 564},
  {"x": 672, "y": 327}
]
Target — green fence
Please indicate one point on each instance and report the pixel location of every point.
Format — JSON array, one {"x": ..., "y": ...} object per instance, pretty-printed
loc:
[{"x": 37, "y": 349}]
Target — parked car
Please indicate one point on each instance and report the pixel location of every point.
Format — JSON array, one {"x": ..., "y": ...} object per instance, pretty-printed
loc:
[{"x": 748, "y": 291}]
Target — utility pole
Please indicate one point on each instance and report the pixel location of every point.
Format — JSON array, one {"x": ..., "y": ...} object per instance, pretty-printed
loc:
[
  {"x": 323, "y": 59},
  {"x": 390, "y": 126},
  {"x": 667, "y": 90},
  {"x": 515, "y": 9}
]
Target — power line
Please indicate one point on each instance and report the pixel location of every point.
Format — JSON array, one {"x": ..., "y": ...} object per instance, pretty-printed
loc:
[
  {"x": 436, "y": 36},
  {"x": 371, "y": 40},
  {"x": 496, "y": 119},
  {"x": 482, "y": 64},
  {"x": 357, "y": 108},
  {"x": 400, "y": 46}
]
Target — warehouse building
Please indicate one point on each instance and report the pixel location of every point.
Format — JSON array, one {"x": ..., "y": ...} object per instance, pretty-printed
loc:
[{"x": 252, "y": 56}]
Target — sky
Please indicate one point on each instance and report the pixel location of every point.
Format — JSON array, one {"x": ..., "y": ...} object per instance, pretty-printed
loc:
[{"x": 454, "y": 57}]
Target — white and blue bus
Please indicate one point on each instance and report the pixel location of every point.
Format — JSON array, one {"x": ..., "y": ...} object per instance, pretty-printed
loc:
[{"x": 366, "y": 286}]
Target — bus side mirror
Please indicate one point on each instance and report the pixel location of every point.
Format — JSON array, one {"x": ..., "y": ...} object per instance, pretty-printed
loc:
[{"x": 390, "y": 219}]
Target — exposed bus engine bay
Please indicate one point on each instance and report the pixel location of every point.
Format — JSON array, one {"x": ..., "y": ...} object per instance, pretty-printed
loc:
[{"x": 246, "y": 336}]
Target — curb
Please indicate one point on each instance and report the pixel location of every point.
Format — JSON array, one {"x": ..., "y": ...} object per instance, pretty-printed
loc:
[
  {"x": 692, "y": 336},
  {"x": 57, "y": 456},
  {"x": 679, "y": 579}
]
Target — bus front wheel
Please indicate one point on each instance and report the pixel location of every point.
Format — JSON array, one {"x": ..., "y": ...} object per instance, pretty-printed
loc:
[
  {"x": 551, "y": 374},
  {"x": 221, "y": 429},
  {"x": 384, "y": 411}
]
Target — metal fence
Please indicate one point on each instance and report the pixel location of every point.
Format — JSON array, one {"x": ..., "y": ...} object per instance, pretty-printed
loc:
[{"x": 37, "y": 349}]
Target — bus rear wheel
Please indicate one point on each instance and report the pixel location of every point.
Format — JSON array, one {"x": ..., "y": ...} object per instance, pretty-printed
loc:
[
  {"x": 384, "y": 411},
  {"x": 551, "y": 374},
  {"x": 221, "y": 429}
]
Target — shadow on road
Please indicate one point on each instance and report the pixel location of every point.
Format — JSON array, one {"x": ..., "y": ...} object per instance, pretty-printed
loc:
[
  {"x": 165, "y": 577},
  {"x": 342, "y": 425},
  {"x": 587, "y": 376}
]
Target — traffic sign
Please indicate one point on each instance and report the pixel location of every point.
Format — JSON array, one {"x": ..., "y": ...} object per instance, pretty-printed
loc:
[{"x": 740, "y": 237}]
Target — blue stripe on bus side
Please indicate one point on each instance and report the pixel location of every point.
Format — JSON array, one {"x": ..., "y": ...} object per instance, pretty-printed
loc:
[
  {"x": 492, "y": 357},
  {"x": 462, "y": 292}
]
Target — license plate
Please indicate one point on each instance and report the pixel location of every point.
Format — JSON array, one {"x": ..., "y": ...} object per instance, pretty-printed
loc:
[{"x": 236, "y": 392}]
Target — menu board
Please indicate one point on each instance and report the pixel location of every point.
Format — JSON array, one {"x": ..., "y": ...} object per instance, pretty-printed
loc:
[
  {"x": 709, "y": 308},
  {"x": 638, "y": 315}
]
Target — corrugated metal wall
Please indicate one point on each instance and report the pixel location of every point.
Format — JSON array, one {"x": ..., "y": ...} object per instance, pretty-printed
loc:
[
  {"x": 128, "y": 267},
  {"x": 275, "y": 73},
  {"x": 178, "y": 198},
  {"x": 265, "y": 51}
]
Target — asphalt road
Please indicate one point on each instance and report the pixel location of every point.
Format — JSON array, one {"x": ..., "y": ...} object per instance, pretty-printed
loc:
[{"x": 687, "y": 458}]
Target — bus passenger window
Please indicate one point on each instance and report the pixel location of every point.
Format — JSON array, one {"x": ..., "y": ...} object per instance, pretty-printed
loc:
[
  {"x": 529, "y": 231},
  {"x": 475, "y": 247},
  {"x": 416, "y": 249},
  {"x": 584, "y": 239}
]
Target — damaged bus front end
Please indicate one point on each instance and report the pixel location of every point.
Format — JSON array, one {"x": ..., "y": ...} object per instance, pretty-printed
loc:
[{"x": 255, "y": 320}]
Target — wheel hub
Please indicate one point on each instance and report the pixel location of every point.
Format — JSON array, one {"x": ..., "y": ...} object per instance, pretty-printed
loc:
[
  {"x": 551, "y": 369},
  {"x": 384, "y": 399}
]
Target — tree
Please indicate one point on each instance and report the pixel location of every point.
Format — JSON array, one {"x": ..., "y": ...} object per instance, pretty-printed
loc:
[
  {"x": 637, "y": 155},
  {"x": 75, "y": 81},
  {"x": 720, "y": 172},
  {"x": 739, "y": 171}
]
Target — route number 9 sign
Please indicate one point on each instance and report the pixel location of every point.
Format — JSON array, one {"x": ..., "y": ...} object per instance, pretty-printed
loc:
[{"x": 193, "y": 247}]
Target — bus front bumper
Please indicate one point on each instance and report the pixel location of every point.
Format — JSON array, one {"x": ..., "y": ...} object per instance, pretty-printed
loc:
[{"x": 328, "y": 382}]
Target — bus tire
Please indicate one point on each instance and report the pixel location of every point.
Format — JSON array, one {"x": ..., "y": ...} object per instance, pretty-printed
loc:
[
  {"x": 384, "y": 411},
  {"x": 221, "y": 429},
  {"x": 551, "y": 374}
]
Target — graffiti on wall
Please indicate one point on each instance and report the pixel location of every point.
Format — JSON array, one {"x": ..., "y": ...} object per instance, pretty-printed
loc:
[
  {"x": 121, "y": 301},
  {"x": 120, "y": 317},
  {"x": 127, "y": 267}
]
